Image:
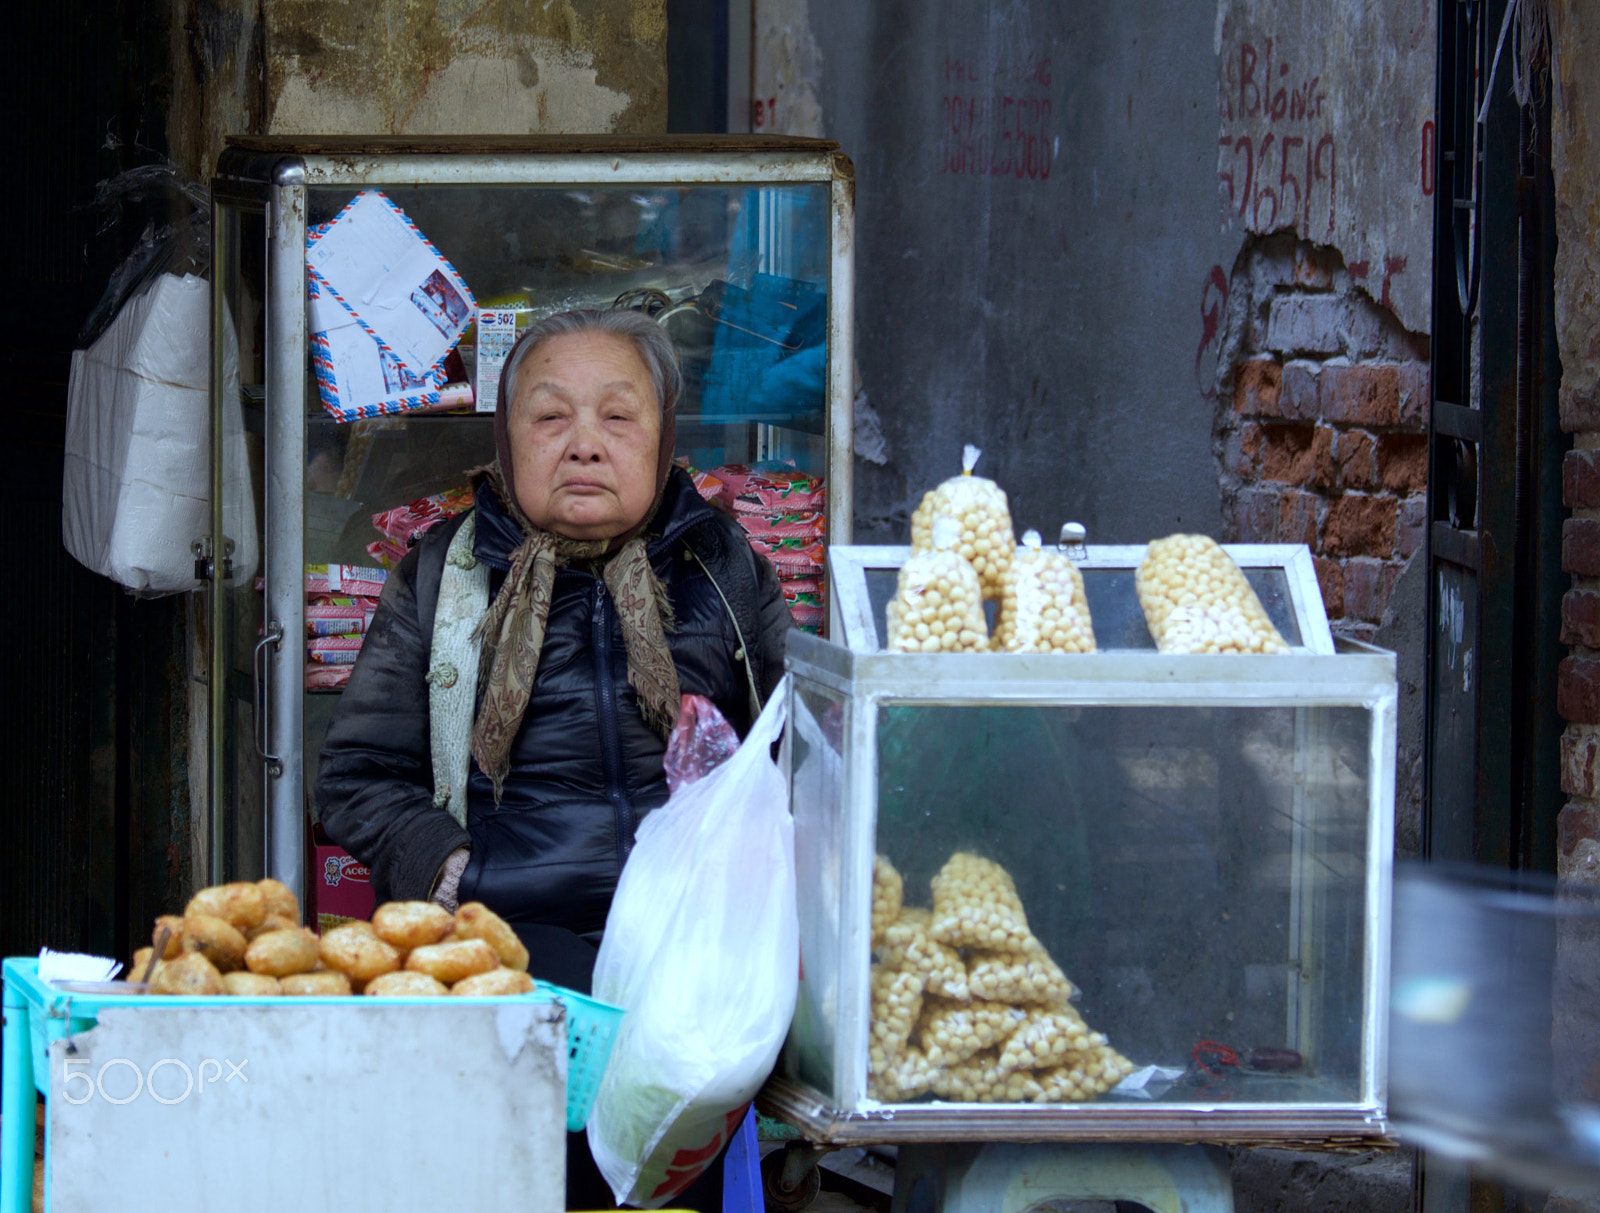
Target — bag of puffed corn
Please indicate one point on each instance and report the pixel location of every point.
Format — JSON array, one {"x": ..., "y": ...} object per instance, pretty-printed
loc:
[{"x": 969, "y": 516}]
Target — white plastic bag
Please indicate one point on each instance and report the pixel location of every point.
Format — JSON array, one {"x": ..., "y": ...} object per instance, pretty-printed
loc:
[
  {"x": 137, "y": 468},
  {"x": 702, "y": 950}
]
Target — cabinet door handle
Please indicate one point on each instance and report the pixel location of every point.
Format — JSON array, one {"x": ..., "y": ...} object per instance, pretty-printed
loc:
[{"x": 274, "y": 637}]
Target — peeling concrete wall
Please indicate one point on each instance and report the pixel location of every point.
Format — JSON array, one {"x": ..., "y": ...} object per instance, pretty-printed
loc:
[
  {"x": 786, "y": 70},
  {"x": 217, "y": 63},
  {"x": 1326, "y": 124},
  {"x": 1036, "y": 247},
  {"x": 465, "y": 66},
  {"x": 413, "y": 67}
]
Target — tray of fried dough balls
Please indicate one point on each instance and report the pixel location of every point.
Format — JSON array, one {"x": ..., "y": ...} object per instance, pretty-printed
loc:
[{"x": 244, "y": 939}]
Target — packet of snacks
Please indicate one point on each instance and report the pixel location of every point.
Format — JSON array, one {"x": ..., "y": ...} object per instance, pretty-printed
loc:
[
  {"x": 981, "y": 518},
  {"x": 347, "y": 579},
  {"x": 1043, "y": 608},
  {"x": 1195, "y": 600}
]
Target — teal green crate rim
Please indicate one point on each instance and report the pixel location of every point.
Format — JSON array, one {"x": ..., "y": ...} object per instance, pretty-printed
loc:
[
  {"x": 591, "y": 1028},
  {"x": 591, "y": 1031}
]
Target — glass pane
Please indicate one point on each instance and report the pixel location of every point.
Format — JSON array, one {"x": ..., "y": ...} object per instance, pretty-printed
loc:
[
  {"x": 355, "y": 470},
  {"x": 237, "y": 783},
  {"x": 817, "y": 791},
  {"x": 1197, "y": 874},
  {"x": 737, "y": 275}
]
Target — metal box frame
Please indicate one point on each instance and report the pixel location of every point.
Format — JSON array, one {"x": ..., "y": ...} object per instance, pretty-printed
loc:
[
  {"x": 1355, "y": 675},
  {"x": 268, "y": 179}
]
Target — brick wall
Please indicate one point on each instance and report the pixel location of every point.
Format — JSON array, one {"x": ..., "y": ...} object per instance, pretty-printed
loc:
[
  {"x": 1321, "y": 423},
  {"x": 1575, "y": 139}
]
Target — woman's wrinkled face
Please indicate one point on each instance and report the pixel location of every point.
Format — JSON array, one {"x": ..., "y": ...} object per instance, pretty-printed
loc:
[{"x": 585, "y": 428}]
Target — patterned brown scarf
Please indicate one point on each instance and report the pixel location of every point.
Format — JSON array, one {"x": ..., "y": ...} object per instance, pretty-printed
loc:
[{"x": 512, "y": 632}]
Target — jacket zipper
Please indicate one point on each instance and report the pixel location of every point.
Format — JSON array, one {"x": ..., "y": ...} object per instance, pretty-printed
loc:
[{"x": 610, "y": 733}]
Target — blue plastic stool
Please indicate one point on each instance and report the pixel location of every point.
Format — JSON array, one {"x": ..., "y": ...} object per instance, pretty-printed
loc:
[{"x": 741, "y": 1170}]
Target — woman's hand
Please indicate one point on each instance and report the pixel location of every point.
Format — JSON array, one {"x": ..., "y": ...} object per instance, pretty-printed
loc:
[{"x": 448, "y": 886}]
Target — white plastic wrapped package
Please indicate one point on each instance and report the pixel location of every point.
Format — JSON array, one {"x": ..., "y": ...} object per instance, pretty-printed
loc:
[
  {"x": 702, "y": 951},
  {"x": 137, "y": 473},
  {"x": 1196, "y": 600},
  {"x": 968, "y": 515}
]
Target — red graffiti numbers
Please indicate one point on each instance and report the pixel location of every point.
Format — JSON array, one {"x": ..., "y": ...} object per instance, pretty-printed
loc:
[
  {"x": 995, "y": 119},
  {"x": 1429, "y": 164},
  {"x": 763, "y": 112},
  {"x": 997, "y": 136},
  {"x": 1275, "y": 168}
]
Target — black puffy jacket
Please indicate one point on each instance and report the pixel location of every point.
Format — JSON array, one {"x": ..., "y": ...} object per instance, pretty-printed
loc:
[{"x": 585, "y": 768}]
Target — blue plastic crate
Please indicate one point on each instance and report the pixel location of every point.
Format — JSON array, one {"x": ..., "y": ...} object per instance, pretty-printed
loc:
[{"x": 36, "y": 1013}]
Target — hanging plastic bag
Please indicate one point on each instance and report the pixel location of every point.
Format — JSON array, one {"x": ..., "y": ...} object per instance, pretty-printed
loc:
[
  {"x": 702, "y": 950},
  {"x": 136, "y": 471}
]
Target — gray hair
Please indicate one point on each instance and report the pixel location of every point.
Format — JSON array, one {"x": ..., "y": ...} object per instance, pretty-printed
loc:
[{"x": 650, "y": 341}]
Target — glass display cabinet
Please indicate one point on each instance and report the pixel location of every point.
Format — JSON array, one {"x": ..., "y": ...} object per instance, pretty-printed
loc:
[
  {"x": 1161, "y": 882},
  {"x": 741, "y": 247}
]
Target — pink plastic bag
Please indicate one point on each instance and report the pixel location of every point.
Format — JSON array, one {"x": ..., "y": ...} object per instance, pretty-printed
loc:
[{"x": 701, "y": 742}]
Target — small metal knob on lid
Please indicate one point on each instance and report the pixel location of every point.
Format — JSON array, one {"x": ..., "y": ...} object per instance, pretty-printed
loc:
[{"x": 1074, "y": 540}]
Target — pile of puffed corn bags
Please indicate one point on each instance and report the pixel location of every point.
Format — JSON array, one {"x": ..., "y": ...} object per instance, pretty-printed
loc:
[
  {"x": 967, "y": 1004},
  {"x": 963, "y": 552}
]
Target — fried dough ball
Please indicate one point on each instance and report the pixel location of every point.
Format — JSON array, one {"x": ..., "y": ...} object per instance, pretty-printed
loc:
[
  {"x": 272, "y": 922},
  {"x": 251, "y": 985},
  {"x": 980, "y": 1079},
  {"x": 411, "y": 924},
  {"x": 937, "y": 607},
  {"x": 1043, "y": 608},
  {"x": 239, "y": 904},
  {"x": 493, "y": 984},
  {"x": 953, "y": 1032},
  {"x": 137, "y": 966},
  {"x": 477, "y": 921},
  {"x": 909, "y": 944},
  {"x": 215, "y": 939},
  {"x": 450, "y": 962},
  {"x": 357, "y": 952},
  {"x": 969, "y": 516},
  {"x": 405, "y": 983},
  {"x": 324, "y": 984},
  {"x": 1031, "y": 978},
  {"x": 975, "y": 905},
  {"x": 173, "y": 924},
  {"x": 281, "y": 953},
  {"x": 887, "y": 888},
  {"x": 277, "y": 898},
  {"x": 1195, "y": 600},
  {"x": 190, "y": 974}
]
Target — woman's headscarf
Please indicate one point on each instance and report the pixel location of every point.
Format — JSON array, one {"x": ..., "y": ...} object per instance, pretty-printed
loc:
[{"x": 512, "y": 632}]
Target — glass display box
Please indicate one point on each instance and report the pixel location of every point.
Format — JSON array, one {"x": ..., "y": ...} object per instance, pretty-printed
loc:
[
  {"x": 742, "y": 247},
  {"x": 1201, "y": 845}
]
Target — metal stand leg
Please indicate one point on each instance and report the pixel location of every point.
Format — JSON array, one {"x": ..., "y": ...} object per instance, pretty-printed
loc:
[
  {"x": 16, "y": 1110},
  {"x": 1016, "y": 1178}
]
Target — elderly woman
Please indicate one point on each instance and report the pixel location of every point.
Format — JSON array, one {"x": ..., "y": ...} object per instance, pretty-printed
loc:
[
  {"x": 612, "y": 588},
  {"x": 502, "y": 734}
]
